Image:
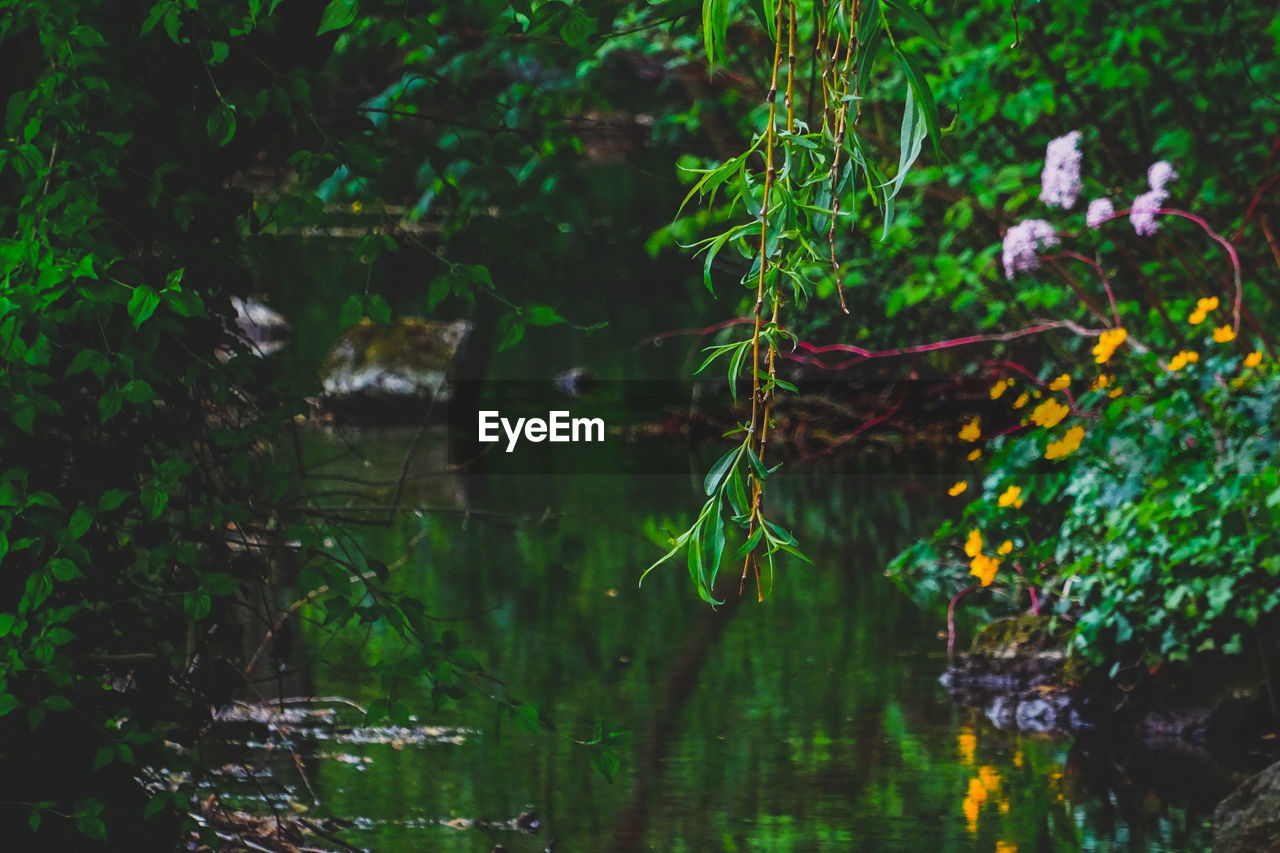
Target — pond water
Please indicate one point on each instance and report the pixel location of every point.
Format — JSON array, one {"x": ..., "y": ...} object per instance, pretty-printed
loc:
[{"x": 811, "y": 722}]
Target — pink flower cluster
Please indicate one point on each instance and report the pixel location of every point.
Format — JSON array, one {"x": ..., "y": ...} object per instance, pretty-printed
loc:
[
  {"x": 1060, "y": 186},
  {"x": 1142, "y": 215},
  {"x": 1022, "y": 243},
  {"x": 1060, "y": 179}
]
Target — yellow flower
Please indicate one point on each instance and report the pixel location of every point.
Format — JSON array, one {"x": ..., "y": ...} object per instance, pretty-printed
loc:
[
  {"x": 971, "y": 431},
  {"x": 1115, "y": 392},
  {"x": 984, "y": 568},
  {"x": 1223, "y": 334},
  {"x": 974, "y": 454},
  {"x": 958, "y": 488},
  {"x": 1010, "y": 495},
  {"x": 1182, "y": 359},
  {"x": 356, "y": 207},
  {"x": 1005, "y": 547},
  {"x": 973, "y": 545},
  {"x": 1061, "y": 382},
  {"x": 999, "y": 388},
  {"x": 1049, "y": 413},
  {"x": 1103, "y": 380},
  {"x": 1107, "y": 343},
  {"x": 1068, "y": 443},
  {"x": 1196, "y": 317},
  {"x": 1022, "y": 400},
  {"x": 1253, "y": 359},
  {"x": 1207, "y": 305}
]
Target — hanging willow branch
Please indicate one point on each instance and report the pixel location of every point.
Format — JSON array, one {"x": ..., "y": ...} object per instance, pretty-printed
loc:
[{"x": 800, "y": 202}]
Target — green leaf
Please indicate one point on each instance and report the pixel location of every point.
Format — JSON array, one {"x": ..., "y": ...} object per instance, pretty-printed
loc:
[
  {"x": 221, "y": 125},
  {"x": 578, "y": 29},
  {"x": 378, "y": 309},
  {"x": 912, "y": 139},
  {"x": 605, "y": 760},
  {"x": 142, "y": 304},
  {"x": 917, "y": 22},
  {"x": 64, "y": 570},
  {"x": 338, "y": 15},
  {"x": 138, "y": 391},
  {"x": 154, "y": 500},
  {"x": 715, "y": 27},
  {"x": 754, "y": 539},
  {"x": 542, "y": 315},
  {"x": 7, "y": 621},
  {"x": 716, "y": 475},
  {"x": 154, "y": 16},
  {"x": 197, "y": 604},
  {"x": 81, "y": 521},
  {"x": 103, "y": 756},
  {"x": 112, "y": 499},
  {"x": 352, "y": 311},
  {"x": 924, "y": 95}
]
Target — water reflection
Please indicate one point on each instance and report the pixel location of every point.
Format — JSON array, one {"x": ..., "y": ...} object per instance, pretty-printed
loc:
[{"x": 812, "y": 722}]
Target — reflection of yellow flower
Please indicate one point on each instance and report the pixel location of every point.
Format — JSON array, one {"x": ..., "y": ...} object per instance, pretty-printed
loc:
[
  {"x": 1182, "y": 359},
  {"x": 958, "y": 488},
  {"x": 966, "y": 744},
  {"x": 1223, "y": 334},
  {"x": 1004, "y": 846},
  {"x": 1005, "y": 547},
  {"x": 1049, "y": 413},
  {"x": 973, "y": 545},
  {"x": 1021, "y": 401},
  {"x": 999, "y": 388},
  {"x": 971, "y": 430},
  {"x": 984, "y": 568},
  {"x": 1253, "y": 359},
  {"x": 1107, "y": 343},
  {"x": 1061, "y": 382},
  {"x": 973, "y": 454},
  {"x": 1010, "y": 495},
  {"x": 1068, "y": 443},
  {"x": 989, "y": 778},
  {"x": 973, "y": 800}
]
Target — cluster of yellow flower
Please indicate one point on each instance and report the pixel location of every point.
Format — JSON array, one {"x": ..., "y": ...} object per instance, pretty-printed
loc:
[
  {"x": 1107, "y": 343},
  {"x": 1221, "y": 334},
  {"x": 1182, "y": 359},
  {"x": 982, "y": 566},
  {"x": 1203, "y": 307},
  {"x": 1065, "y": 445},
  {"x": 1049, "y": 413}
]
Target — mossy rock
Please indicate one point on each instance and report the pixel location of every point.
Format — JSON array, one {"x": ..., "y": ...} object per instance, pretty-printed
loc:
[
  {"x": 1017, "y": 636},
  {"x": 409, "y": 360}
]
